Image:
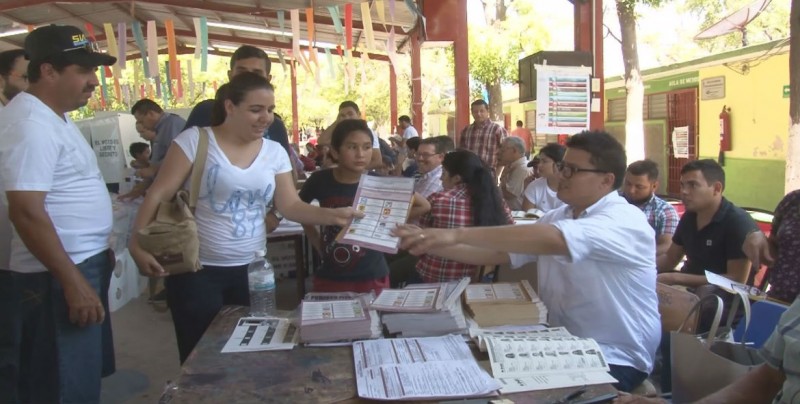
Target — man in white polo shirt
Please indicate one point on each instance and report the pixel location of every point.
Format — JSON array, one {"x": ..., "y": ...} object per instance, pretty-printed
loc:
[
  {"x": 596, "y": 257},
  {"x": 52, "y": 316}
]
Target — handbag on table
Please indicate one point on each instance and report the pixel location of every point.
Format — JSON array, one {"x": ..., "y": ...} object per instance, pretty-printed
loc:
[{"x": 172, "y": 237}]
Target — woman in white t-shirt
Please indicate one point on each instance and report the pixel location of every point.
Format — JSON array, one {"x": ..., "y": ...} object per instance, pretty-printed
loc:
[
  {"x": 541, "y": 193},
  {"x": 243, "y": 174}
]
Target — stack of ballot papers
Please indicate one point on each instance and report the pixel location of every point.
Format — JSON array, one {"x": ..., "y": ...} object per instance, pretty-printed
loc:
[
  {"x": 480, "y": 335},
  {"x": 254, "y": 334},
  {"x": 337, "y": 317},
  {"x": 546, "y": 362},
  {"x": 403, "y": 314},
  {"x": 419, "y": 368},
  {"x": 496, "y": 304}
]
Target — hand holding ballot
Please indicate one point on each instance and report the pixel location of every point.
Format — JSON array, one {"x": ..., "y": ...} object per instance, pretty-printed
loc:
[{"x": 343, "y": 216}]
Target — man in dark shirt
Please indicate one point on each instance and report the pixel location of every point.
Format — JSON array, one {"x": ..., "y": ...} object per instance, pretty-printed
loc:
[
  {"x": 245, "y": 59},
  {"x": 711, "y": 232}
]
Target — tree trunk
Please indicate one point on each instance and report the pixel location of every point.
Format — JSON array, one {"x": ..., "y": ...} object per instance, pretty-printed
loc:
[
  {"x": 792, "y": 181},
  {"x": 495, "y": 12},
  {"x": 634, "y": 122}
]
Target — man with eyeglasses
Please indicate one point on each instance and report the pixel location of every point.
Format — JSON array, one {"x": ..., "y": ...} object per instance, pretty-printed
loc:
[
  {"x": 13, "y": 75},
  {"x": 54, "y": 331},
  {"x": 429, "y": 156},
  {"x": 595, "y": 255}
]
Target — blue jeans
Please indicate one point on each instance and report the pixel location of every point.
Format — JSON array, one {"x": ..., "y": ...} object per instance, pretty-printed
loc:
[
  {"x": 195, "y": 298},
  {"x": 629, "y": 377},
  {"x": 43, "y": 356}
]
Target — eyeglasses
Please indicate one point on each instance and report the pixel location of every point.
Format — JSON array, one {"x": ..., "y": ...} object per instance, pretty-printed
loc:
[{"x": 568, "y": 171}]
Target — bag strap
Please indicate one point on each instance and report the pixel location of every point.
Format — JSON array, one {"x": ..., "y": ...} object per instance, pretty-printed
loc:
[
  {"x": 740, "y": 295},
  {"x": 717, "y": 315},
  {"x": 198, "y": 167}
]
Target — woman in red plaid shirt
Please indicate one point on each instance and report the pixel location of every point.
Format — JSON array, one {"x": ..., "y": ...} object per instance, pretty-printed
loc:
[{"x": 470, "y": 198}]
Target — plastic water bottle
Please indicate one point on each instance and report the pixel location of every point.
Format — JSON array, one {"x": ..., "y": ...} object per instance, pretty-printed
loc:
[{"x": 261, "y": 277}]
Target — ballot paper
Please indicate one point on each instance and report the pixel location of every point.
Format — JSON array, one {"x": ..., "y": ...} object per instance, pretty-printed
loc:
[
  {"x": 409, "y": 300},
  {"x": 538, "y": 363},
  {"x": 419, "y": 368},
  {"x": 730, "y": 286},
  {"x": 385, "y": 202},
  {"x": 261, "y": 334}
]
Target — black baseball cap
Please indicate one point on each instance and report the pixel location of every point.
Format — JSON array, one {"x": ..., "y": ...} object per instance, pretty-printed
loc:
[{"x": 65, "y": 42}]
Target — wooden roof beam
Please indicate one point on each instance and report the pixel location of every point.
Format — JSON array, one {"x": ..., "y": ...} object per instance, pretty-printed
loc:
[{"x": 9, "y": 5}]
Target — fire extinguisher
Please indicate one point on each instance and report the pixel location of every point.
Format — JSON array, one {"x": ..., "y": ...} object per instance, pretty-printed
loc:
[{"x": 725, "y": 143}]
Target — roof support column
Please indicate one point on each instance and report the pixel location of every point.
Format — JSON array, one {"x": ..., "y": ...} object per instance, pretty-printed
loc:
[
  {"x": 295, "y": 114},
  {"x": 392, "y": 96},
  {"x": 416, "y": 82},
  {"x": 589, "y": 38}
]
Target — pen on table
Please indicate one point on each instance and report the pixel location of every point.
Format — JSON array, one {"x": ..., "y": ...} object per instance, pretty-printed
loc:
[{"x": 573, "y": 395}]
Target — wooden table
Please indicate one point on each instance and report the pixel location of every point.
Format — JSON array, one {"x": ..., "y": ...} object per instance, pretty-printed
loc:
[{"x": 302, "y": 375}]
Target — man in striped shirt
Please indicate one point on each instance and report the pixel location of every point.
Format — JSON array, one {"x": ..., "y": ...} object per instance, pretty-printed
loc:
[
  {"x": 483, "y": 137},
  {"x": 639, "y": 188}
]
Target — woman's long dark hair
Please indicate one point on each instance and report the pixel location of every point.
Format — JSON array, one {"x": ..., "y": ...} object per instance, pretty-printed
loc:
[
  {"x": 236, "y": 90},
  {"x": 486, "y": 202}
]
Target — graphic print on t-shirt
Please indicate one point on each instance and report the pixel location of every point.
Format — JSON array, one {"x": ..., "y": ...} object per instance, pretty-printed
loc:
[{"x": 247, "y": 207}]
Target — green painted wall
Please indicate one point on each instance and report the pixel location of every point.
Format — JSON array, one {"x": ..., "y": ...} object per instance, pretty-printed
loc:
[{"x": 754, "y": 183}]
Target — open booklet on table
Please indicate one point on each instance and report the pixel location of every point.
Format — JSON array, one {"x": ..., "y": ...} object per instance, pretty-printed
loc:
[
  {"x": 254, "y": 334},
  {"x": 525, "y": 363},
  {"x": 385, "y": 202}
]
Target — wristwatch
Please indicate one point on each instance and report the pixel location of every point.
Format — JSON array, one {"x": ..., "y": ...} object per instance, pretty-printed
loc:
[{"x": 277, "y": 214}]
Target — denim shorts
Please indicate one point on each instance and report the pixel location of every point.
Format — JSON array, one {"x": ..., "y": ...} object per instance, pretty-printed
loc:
[{"x": 43, "y": 356}]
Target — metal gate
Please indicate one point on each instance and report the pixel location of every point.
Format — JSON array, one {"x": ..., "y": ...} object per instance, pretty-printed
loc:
[{"x": 682, "y": 111}]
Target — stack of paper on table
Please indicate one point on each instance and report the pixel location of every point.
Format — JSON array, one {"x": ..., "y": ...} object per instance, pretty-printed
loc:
[
  {"x": 495, "y": 304},
  {"x": 440, "y": 320},
  {"x": 333, "y": 320},
  {"x": 539, "y": 363},
  {"x": 530, "y": 214},
  {"x": 419, "y": 368},
  {"x": 261, "y": 334}
]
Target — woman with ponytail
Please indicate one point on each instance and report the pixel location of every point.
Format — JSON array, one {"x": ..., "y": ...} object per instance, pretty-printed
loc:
[{"x": 470, "y": 198}]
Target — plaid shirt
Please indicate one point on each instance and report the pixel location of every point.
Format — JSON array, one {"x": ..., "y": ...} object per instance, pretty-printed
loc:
[
  {"x": 449, "y": 209},
  {"x": 484, "y": 140},
  {"x": 663, "y": 218},
  {"x": 429, "y": 183}
]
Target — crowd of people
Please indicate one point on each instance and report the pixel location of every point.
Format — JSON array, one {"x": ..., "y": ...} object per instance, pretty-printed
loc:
[{"x": 603, "y": 241}]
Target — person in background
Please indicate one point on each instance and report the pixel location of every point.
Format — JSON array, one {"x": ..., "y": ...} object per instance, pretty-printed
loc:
[
  {"x": 515, "y": 170},
  {"x": 408, "y": 163},
  {"x": 780, "y": 250},
  {"x": 596, "y": 248},
  {"x": 404, "y": 124},
  {"x": 166, "y": 125},
  {"x": 348, "y": 110},
  {"x": 13, "y": 75},
  {"x": 345, "y": 267},
  {"x": 469, "y": 198},
  {"x": 245, "y": 59},
  {"x": 243, "y": 174},
  {"x": 141, "y": 155},
  {"x": 525, "y": 135},
  {"x": 55, "y": 334},
  {"x": 542, "y": 193},
  {"x": 483, "y": 137},
  {"x": 639, "y": 188}
]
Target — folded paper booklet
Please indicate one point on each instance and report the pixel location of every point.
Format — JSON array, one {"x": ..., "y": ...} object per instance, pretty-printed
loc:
[
  {"x": 479, "y": 335},
  {"x": 385, "y": 202},
  {"x": 410, "y": 300},
  {"x": 540, "y": 363},
  {"x": 419, "y": 368},
  {"x": 254, "y": 334},
  {"x": 498, "y": 304},
  {"x": 530, "y": 214},
  {"x": 448, "y": 319},
  {"x": 734, "y": 287}
]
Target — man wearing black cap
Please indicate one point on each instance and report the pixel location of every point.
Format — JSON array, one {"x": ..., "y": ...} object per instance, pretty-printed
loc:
[{"x": 51, "y": 311}]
